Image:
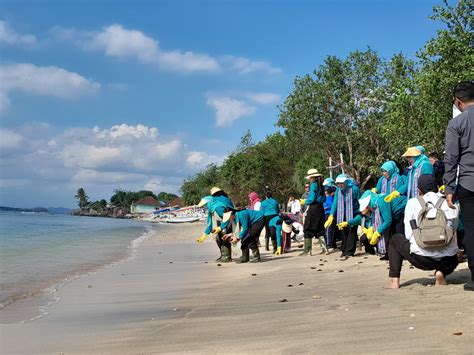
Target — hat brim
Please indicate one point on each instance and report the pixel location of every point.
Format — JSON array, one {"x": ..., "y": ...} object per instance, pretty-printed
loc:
[
  {"x": 341, "y": 181},
  {"x": 226, "y": 216},
  {"x": 411, "y": 153},
  {"x": 313, "y": 175},
  {"x": 287, "y": 228},
  {"x": 364, "y": 203}
]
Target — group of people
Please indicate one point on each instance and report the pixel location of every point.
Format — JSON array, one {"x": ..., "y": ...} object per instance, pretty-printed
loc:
[{"x": 412, "y": 215}]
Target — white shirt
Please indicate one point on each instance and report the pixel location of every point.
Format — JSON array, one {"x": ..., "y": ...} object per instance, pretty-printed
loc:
[
  {"x": 257, "y": 205},
  {"x": 299, "y": 227},
  {"x": 295, "y": 207},
  {"x": 412, "y": 210}
]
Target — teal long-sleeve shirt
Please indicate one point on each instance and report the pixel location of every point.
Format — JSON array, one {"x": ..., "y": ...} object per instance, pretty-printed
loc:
[
  {"x": 276, "y": 223},
  {"x": 401, "y": 185},
  {"x": 246, "y": 218},
  {"x": 218, "y": 205},
  {"x": 355, "y": 200},
  {"x": 270, "y": 207},
  {"x": 315, "y": 194}
]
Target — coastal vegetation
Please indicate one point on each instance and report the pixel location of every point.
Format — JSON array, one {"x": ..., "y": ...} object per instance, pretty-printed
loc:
[{"x": 363, "y": 108}]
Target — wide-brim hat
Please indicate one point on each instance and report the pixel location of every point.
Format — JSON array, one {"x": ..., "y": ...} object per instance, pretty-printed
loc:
[
  {"x": 313, "y": 173},
  {"x": 215, "y": 189},
  {"x": 204, "y": 201},
  {"x": 287, "y": 227},
  {"x": 364, "y": 203},
  {"x": 226, "y": 216},
  {"x": 412, "y": 152}
]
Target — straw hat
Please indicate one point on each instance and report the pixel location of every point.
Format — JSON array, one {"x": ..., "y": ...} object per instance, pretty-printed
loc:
[
  {"x": 313, "y": 173},
  {"x": 287, "y": 228},
  {"x": 226, "y": 216},
  {"x": 215, "y": 189},
  {"x": 412, "y": 152},
  {"x": 204, "y": 201}
]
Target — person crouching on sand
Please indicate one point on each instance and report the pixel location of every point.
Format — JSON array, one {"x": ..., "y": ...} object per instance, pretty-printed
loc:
[
  {"x": 250, "y": 224},
  {"x": 280, "y": 230},
  {"x": 442, "y": 259}
]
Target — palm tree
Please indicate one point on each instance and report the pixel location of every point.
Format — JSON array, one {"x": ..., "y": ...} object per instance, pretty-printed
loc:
[{"x": 82, "y": 197}]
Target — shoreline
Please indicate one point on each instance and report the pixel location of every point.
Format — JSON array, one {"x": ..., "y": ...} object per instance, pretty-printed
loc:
[{"x": 171, "y": 297}]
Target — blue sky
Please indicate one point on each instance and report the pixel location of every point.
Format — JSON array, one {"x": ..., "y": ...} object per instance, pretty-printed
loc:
[{"x": 142, "y": 94}]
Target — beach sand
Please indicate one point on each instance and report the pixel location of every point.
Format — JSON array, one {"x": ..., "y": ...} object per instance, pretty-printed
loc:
[{"x": 172, "y": 297}]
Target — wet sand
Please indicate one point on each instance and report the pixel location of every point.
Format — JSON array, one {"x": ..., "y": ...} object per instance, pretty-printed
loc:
[{"x": 172, "y": 297}]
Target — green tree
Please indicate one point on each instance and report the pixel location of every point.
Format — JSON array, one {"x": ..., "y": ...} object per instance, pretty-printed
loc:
[
  {"x": 199, "y": 185},
  {"x": 83, "y": 199},
  {"x": 166, "y": 197}
]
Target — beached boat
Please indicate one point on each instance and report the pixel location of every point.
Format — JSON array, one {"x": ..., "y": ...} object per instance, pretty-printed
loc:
[{"x": 181, "y": 219}]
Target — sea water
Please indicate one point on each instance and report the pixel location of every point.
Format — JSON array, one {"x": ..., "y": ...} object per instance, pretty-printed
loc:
[{"x": 39, "y": 252}]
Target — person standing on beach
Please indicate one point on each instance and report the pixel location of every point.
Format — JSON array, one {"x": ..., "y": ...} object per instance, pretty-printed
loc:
[
  {"x": 314, "y": 221},
  {"x": 216, "y": 204},
  {"x": 391, "y": 180},
  {"x": 304, "y": 196},
  {"x": 254, "y": 200},
  {"x": 420, "y": 165},
  {"x": 270, "y": 209},
  {"x": 459, "y": 165},
  {"x": 250, "y": 224},
  {"x": 329, "y": 190},
  {"x": 345, "y": 207}
]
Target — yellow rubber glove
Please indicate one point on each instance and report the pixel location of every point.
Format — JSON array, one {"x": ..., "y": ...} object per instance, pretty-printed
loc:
[
  {"x": 216, "y": 230},
  {"x": 375, "y": 238},
  {"x": 442, "y": 188},
  {"x": 389, "y": 198},
  {"x": 202, "y": 238},
  {"x": 369, "y": 232},
  {"x": 329, "y": 221},
  {"x": 278, "y": 252},
  {"x": 374, "y": 190},
  {"x": 302, "y": 201},
  {"x": 342, "y": 225}
]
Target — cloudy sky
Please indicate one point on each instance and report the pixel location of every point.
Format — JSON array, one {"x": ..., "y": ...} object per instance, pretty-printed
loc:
[{"x": 142, "y": 94}]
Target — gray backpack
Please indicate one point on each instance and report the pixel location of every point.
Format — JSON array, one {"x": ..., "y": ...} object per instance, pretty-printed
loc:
[{"x": 432, "y": 233}]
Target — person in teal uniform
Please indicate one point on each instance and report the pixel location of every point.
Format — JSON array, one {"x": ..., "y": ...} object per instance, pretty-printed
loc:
[
  {"x": 215, "y": 212},
  {"x": 280, "y": 229},
  {"x": 247, "y": 226},
  {"x": 344, "y": 208},
  {"x": 391, "y": 179},
  {"x": 420, "y": 165},
  {"x": 313, "y": 226},
  {"x": 386, "y": 219},
  {"x": 270, "y": 209}
]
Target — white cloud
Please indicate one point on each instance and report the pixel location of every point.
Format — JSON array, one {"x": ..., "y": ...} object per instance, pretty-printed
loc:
[
  {"x": 244, "y": 65},
  {"x": 49, "y": 81},
  {"x": 263, "y": 98},
  {"x": 119, "y": 42},
  {"x": 10, "y": 37},
  {"x": 99, "y": 159},
  {"x": 228, "y": 109},
  {"x": 9, "y": 139}
]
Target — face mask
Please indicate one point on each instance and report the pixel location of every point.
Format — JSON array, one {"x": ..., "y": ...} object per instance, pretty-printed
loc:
[{"x": 456, "y": 111}]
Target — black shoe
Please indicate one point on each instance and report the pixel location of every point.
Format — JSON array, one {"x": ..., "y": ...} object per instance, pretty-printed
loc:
[
  {"x": 469, "y": 286},
  {"x": 384, "y": 257}
]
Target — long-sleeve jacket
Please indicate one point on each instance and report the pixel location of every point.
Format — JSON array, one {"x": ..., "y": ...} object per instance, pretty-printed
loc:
[
  {"x": 328, "y": 204},
  {"x": 270, "y": 207},
  {"x": 355, "y": 200},
  {"x": 316, "y": 194},
  {"x": 216, "y": 205},
  {"x": 246, "y": 218},
  {"x": 459, "y": 148},
  {"x": 421, "y": 166},
  {"x": 276, "y": 222}
]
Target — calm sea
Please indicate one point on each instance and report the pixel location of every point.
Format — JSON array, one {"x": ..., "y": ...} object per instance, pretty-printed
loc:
[{"x": 40, "y": 251}]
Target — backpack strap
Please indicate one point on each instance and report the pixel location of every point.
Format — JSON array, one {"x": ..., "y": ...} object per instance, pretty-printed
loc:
[
  {"x": 440, "y": 202},
  {"x": 421, "y": 201}
]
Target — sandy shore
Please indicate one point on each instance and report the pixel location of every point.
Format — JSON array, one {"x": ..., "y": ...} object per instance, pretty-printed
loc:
[{"x": 172, "y": 297}]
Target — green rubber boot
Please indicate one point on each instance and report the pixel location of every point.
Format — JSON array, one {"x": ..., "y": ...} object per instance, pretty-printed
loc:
[
  {"x": 274, "y": 243},
  {"x": 219, "y": 245},
  {"x": 308, "y": 244},
  {"x": 245, "y": 256},
  {"x": 256, "y": 254},
  {"x": 322, "y": 245},
  {"x": 267, "y": 244},
  {"x": 226, "y": 252}
]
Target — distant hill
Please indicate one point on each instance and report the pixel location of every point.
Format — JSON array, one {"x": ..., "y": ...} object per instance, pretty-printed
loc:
[{"x": 53, "y": 210}]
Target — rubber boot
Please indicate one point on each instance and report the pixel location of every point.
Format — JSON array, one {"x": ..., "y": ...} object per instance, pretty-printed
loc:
[
  {"x": 245, "y": 256},
  {"x": 267, "y": 244},
  {"x": 308, "y": 245},
  {"x": 256, "y": 255},
  {"x": 219, "y": 245},
  {"x": 226, "y": 252},
  {"x": 322, "y": 245},
  {"x": 274, "y": 244}
]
